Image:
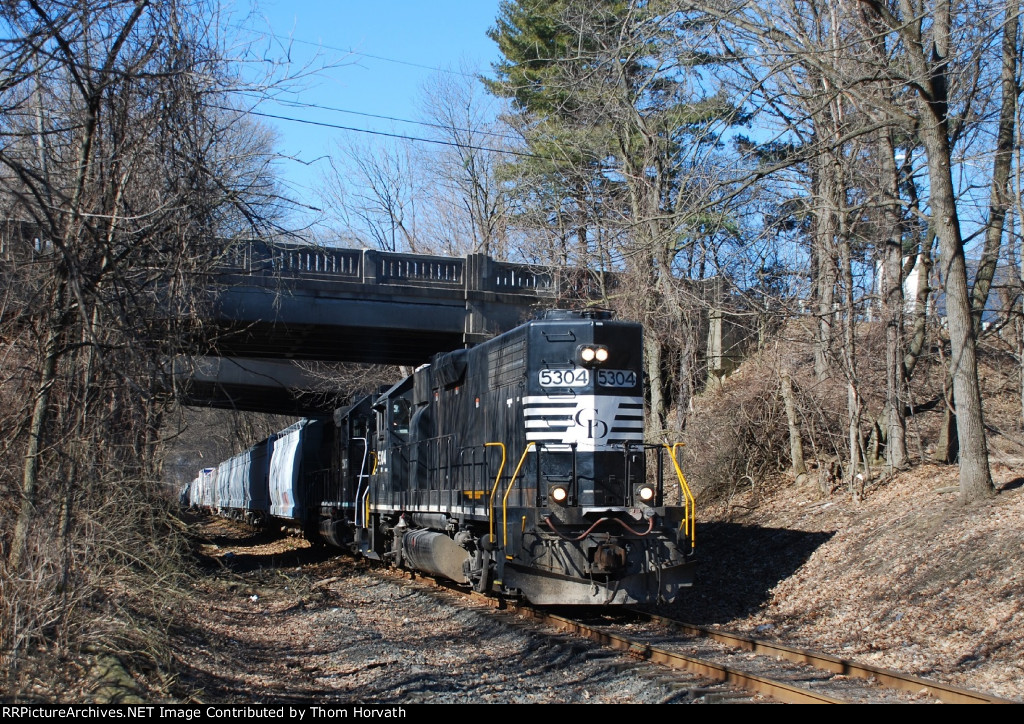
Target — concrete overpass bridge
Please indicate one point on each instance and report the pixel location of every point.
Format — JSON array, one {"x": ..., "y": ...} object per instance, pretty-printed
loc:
[{"x": 276, "y": 307}]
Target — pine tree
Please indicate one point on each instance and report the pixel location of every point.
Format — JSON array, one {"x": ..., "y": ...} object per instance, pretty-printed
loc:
[{"x": 622, "y": 130}]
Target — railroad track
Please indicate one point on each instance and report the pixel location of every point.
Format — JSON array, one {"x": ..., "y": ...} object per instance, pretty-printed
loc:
[
  {"x": 764, "y": 670},
  {"x": 785, "y": 673},
  {"x": 714, "y": 665}
]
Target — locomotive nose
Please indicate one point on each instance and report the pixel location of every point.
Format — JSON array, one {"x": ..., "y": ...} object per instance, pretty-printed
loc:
[{"x": 609, "y": 557}]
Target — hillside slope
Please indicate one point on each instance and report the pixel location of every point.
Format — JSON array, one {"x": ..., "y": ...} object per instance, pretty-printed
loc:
[{"x": 907, "y": 578}]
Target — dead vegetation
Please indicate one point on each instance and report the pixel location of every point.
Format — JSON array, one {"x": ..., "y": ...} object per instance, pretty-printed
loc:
[
  {"x": 897, "y": 571},
  {"x": 906, "y": 578},
  {"x": 110, "y": 201},
  {"x": 737, "y": 435}
]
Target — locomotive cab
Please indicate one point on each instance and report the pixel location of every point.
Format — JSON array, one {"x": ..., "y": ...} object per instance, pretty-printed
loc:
[{"x": 393, "y": 411}]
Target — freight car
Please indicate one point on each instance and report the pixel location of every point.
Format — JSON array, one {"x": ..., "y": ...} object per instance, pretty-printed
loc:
[{"x": 515, "y": 467}]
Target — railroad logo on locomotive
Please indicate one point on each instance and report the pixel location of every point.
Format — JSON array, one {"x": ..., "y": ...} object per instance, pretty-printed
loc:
[{"x": 590, "y": 422}]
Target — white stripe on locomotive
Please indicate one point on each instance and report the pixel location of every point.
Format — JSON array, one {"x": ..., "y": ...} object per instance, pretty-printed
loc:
[{"x": 592, "y": 422}]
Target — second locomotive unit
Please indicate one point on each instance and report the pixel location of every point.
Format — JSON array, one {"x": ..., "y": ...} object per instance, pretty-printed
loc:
[{"x": 518, "y": 467}]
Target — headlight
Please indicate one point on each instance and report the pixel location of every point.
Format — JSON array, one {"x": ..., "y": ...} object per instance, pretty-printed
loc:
[
  {"x": 645, "y": 493},
  {"x": 558, "y": 493},
  {"x": 589, "y": 355}
]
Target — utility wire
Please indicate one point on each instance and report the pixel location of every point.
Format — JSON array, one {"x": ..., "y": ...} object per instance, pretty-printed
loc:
[
  {"x": 334, "y": 109},
  {"x": 286, "y": 39},
  {"x": 340, "y": 127}
]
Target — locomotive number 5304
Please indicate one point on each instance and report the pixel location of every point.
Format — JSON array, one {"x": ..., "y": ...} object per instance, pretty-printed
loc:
[
  {"x": 616, "y": 378},
  {"x": 572, "y": 377}
]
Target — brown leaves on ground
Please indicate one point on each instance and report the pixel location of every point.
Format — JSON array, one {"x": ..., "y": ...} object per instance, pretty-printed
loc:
[{"x": 908, "y": 578}]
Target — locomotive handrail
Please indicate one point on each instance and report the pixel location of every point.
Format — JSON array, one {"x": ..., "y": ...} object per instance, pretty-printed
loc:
[
  {"x": 508, "y": 490},
  {"x": 690, "y": 505},
  {"x": 435, "y": 456},
  {"x": 447, "y": 466},
  {"x": 360, "y": 477},
  {"x": 470, "y": 489},
  {"x": 494, "y": 489},
  {"x": 366, "y": 493}
]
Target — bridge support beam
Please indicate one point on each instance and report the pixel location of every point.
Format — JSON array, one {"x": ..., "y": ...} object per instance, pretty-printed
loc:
[{"x": 259, "y": 385}]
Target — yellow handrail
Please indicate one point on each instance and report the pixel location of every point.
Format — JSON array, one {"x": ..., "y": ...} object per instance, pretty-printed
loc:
[
  {"x": 504, "y": 501},
  {"x": 373, "y": 471},
  {"x": 494, "y": 488},
  {"x": 690, "y": 505}
]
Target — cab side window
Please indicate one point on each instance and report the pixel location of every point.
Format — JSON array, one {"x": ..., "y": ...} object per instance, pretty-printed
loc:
[{"x": 400, "y": 414}]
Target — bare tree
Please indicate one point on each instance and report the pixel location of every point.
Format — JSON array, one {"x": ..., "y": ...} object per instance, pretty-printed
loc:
[
  {"x": 436, "y": 193},
  {"x": 918, "y": 69},
  {"x": 120, "y": 163},
  {"x": 470, "y": 203},
  {"x": 381, "y": 206}
]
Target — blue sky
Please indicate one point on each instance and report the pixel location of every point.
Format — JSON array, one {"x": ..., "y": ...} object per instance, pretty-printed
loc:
[{"x": 396, "y": 45}]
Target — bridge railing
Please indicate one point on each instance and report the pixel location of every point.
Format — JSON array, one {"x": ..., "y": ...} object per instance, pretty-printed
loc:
[
  {"x": 317, "y": 261},
  {"x": 510, "y": 277},
  {"x": 382, "y": 267},
  {"x": 475, "y": 272},
  {"x": 259, "y": 258}
]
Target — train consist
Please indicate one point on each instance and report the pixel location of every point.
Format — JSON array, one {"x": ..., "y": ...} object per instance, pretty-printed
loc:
[{"x": 516, "y": 467}]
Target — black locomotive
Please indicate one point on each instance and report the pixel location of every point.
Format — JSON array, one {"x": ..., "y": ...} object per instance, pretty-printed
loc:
[{"x": 515, "y": 467}]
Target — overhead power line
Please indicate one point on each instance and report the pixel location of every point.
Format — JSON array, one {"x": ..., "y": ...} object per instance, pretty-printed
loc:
[
  {"x": 426, "y": 124},
  {"x": 350, "y": 51},
  {"x": 340, "y": 127}
]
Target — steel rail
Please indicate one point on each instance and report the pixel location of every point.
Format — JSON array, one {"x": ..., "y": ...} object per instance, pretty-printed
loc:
[
  {"x": 778, "y": 690},
  {"x": 892, "y": 679}
]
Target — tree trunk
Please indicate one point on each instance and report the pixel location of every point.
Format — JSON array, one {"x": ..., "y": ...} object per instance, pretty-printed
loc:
[
  {"x": 37, "y": 429},
  {"x": 825, "y": 273},
  {"x": 1002, "y": 163},
  {"x": 854, "y": 404},
  {"x": 892, "y": 298},
  {"x": 975, "y": 478},
  {"x": 919, "y": 318},
  {"x": 652, "y": 361},
  {"x": 932, "y": 68},
  {"x": 796, "y": 445}
]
